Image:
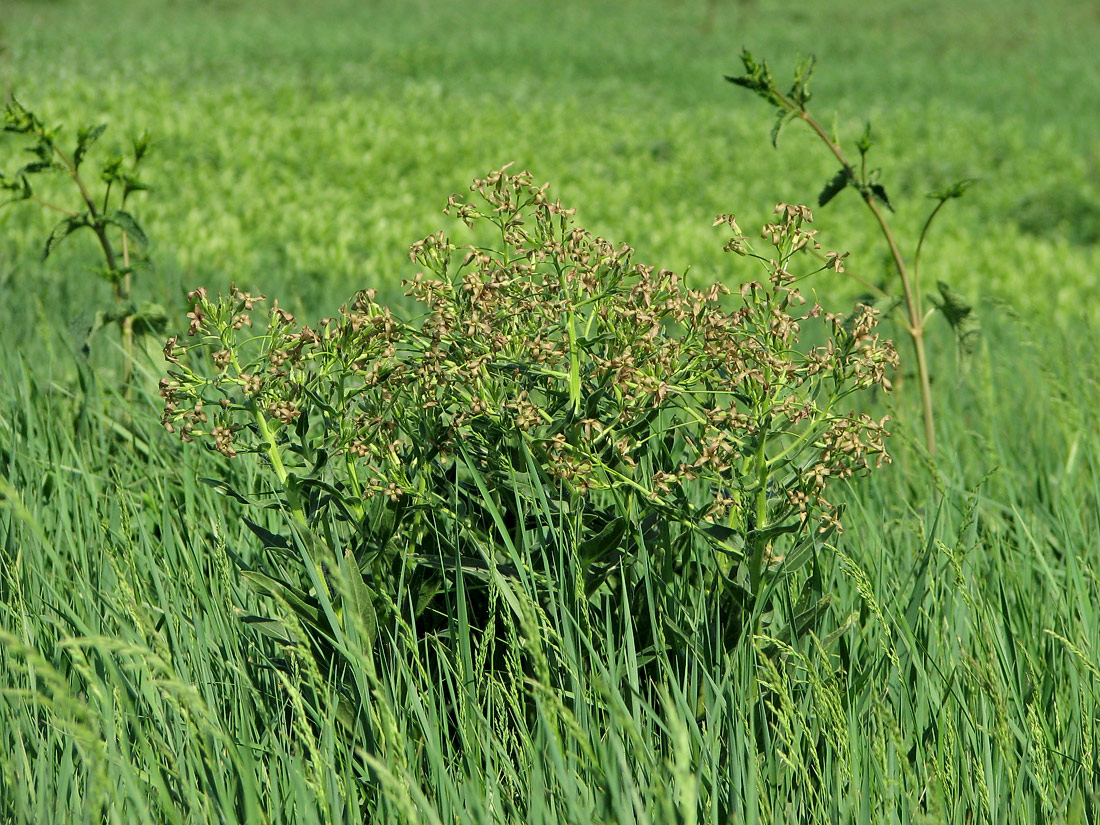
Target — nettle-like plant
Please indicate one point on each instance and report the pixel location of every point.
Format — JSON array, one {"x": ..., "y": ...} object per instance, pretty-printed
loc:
[
  {"x": 103, "y": 210},
  {"x": 557, "y": 415},
  {"x": 792, "y": 105}
]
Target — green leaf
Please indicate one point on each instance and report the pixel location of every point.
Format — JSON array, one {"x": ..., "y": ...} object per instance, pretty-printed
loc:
[
  {"x": 769, "y": 534},
  {"x": 604, "y": 543},
  {"x": 955, "y": 190},
  {"x": 865, "y": 143},
  {"x": 85, "y": 137},
  {"x": 63, "y": 230},
  {"x": 960, "y": 315},
  {"x": 125, "y": 221},
  {"x": 879, "y": 192},
  {"x": 112, "y": 169},
  {"x": 301, "y": 430},
  {"x": 221, "y": 487},
  {"x": 600, "y": 554},
  {"x": 805, "y": 620},
  {"x": 272, "y": 628},
  {"x": 112, "y": 276},
  {"x": 804, "y": 551},
  {"x": 828, "y": 641},
  {"x": 781, "y": 119},
  {"x": 800, "y": 91},
  {"x": 304, "y": 607},
  {"x": 727, "y": 539},
  {"x": 310, "y": 489},
  {"x": 130, "y": 184},
  {"x": 140, "y": 145},
  {"x": 920, "y": 585},
  {"x": 21, "y": 120},
  {"x": 362, "y": 599},
  {"x": 21, "y": 186},
  {"x": 38, "y": 167},
  {"x": 720, "y": 532},
  {"x": 266, "y": 536},
  {"x": 834, "y": 187},
  {"x": 149, "y": 319},
  {"x": 757, "y": 78}
]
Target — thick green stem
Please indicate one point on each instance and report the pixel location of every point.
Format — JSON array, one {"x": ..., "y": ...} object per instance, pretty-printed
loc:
[
  {"x": 271, "y": 450},
  {"x": 760, "y": 506}
]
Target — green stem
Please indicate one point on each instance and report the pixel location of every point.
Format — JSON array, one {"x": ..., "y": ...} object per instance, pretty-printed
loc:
[
  {"x": 271, "y": 450},
  {"x": 758, "y": 545},
  {"x": 915, "y": 324},
  {"x": 54, "y": 207},
  {"x": 356, "y": 487},
  {"x": 920, "y": 242},
  {"x": 93, "y": 212}
]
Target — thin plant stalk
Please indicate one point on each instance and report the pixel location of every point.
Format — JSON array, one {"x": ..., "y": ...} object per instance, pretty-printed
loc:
[
  {"x": 914, "y": 321},
  {"x": 791, "y": 106},
  {"x": 97, "y": 213}
]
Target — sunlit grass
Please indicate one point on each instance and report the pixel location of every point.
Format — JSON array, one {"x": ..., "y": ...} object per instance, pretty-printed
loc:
[{"x": 956, "y": 673}]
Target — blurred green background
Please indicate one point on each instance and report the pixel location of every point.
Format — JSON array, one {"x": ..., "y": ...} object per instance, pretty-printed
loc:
[{"x": 301, "y": 147}]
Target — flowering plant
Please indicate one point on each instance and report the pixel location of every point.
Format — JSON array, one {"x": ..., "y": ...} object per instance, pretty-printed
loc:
[{"x": 556, "y": 405}]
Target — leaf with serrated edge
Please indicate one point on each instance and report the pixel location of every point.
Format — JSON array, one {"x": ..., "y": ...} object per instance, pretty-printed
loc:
[
  {"x": 125, "y": 221},
  {"x": 955, "y": 190},
  {"x": 63, "y": 230},
  {"x": 84, "y": 139}
]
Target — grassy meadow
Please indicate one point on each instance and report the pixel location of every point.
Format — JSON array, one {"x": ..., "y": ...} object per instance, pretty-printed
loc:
[{"x": 952, "y": 669}]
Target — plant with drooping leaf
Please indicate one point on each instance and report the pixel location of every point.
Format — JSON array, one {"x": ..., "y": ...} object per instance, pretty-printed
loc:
[
  {"x": 792, "y": 105},
  {"x": 556, "y": 407},
  {"x": 101, "y": 209}
]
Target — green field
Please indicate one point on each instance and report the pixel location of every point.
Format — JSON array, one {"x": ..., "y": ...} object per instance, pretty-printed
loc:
[{"x": 951, "y": 674}]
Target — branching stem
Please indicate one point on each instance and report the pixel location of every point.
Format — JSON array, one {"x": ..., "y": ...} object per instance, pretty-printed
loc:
[{"x": 914, "y": 321}]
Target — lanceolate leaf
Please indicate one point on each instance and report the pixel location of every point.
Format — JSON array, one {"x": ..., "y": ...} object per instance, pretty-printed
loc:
[
  {"x": 223, "y": 488},
  {"x": 85, "y": 137},
  {"x": 800, "y": 91},
  {"x": 149, "y": 318},
  {"x": 272, "y": 628},
  {"x": 361, "y": 601},
  {"x": 125, "y": 221},
  {"x": 132, "y": 184},
  {"x": 37, "y": 167},
  {"x": 303, "y": 606},
  {"x": 834, "y": 187},
  {"x": 865, "y": 142},
  {"x": 65, "y": 228},
  {"x": 802, "y": 622},
  {"x": 879, "y": 192},
  {"x": 141, "y": 146},
  {"x": 21, "y": 120},
  {"x": 781, "y": 118},
  {"x": 758, "y": 78},
  {"x": 266, "y": 536}
]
